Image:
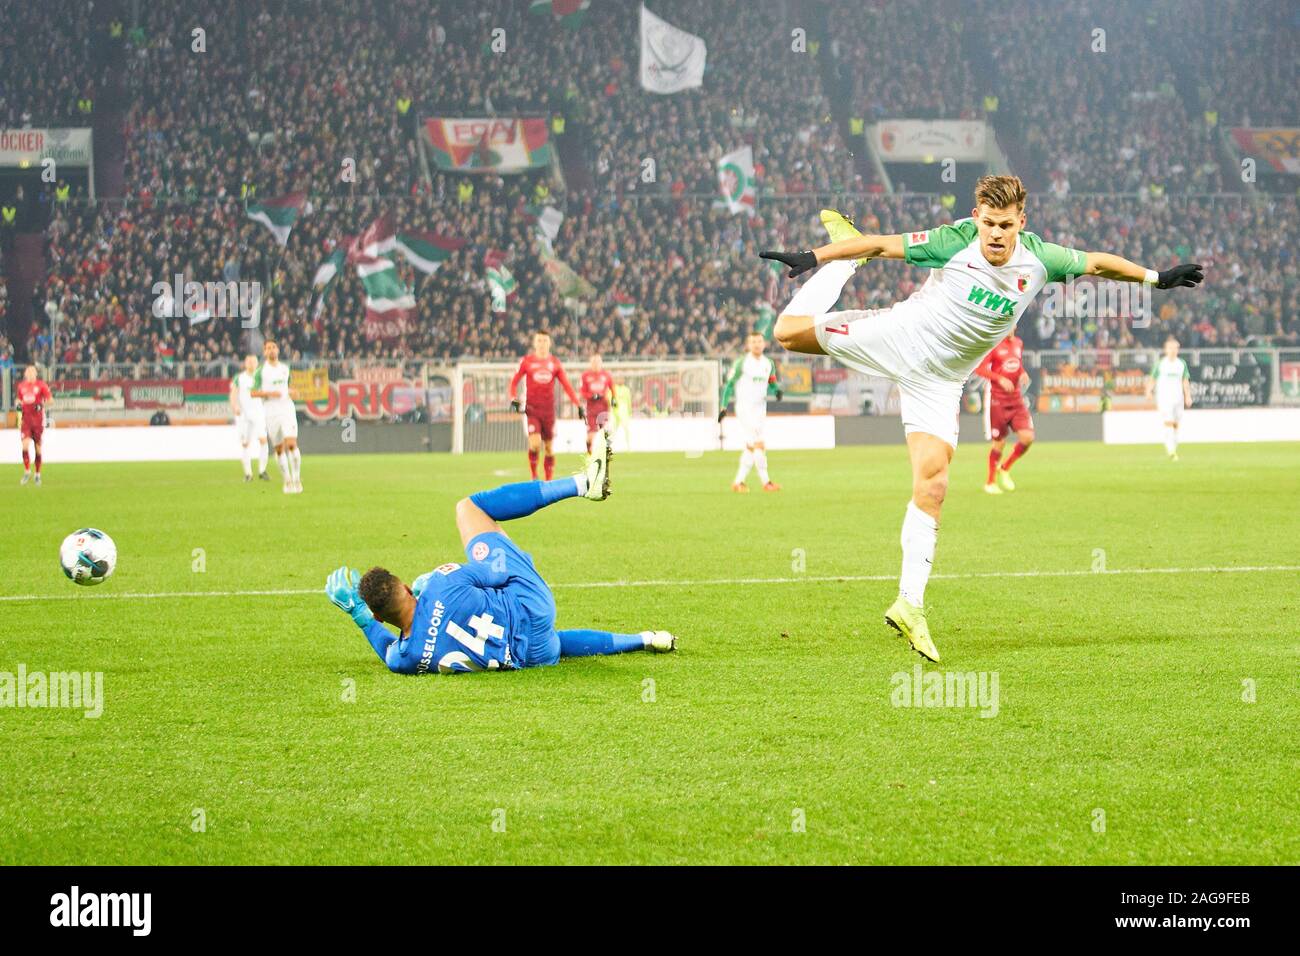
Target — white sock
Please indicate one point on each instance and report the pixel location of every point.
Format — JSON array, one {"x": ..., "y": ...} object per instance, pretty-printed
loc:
[
  {"x": 760, "y": 462},
  {"x": 246, "y": 460},
  {"x": 295, "y": 464},
  {"x": 820, "y": 293},
  {"x": 284, "y": 466},
  {"x": 746, "y": 462},
  {"x": 580, "y": 480},
  {"x": 1171, "y": 439},
  {"x": 261, "y": 457},
  {"x": 920, "y": 532}
]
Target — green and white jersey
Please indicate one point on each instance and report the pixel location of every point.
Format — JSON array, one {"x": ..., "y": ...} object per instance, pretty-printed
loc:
[
  {"x": 249, "y": 407},
  {"x": 1169, "y": 374},
  {"x": 274, "y": 378},
  {"x": 749, "y": 381},
  {"x": 968, "y": 306}
]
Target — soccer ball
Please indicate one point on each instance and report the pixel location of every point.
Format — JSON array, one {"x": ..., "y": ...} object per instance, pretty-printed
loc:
[{"x": 88, "y": 556}]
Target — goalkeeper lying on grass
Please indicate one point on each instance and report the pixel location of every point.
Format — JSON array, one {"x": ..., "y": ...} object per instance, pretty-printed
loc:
[{"x": 494, "y": 613}]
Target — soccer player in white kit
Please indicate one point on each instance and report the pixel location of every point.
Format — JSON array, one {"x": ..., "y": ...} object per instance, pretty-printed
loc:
[
  {"x": 752, "y": 379},
  {"x": 271, "y": 383},
  {"x": 1171, "y": 383},
  {"x": 984, "y": 272},
  {"x": 250, "y": 419}
]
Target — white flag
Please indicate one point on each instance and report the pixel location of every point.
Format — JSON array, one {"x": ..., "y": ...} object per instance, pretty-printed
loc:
[
  {"x": 736, "y": 177},
  {"x": 671, "y": 59}
]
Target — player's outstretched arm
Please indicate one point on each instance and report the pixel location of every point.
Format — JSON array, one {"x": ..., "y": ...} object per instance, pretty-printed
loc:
[
  {"x": 859, "y": 247},
  {"x": 1109, "y": 266}
]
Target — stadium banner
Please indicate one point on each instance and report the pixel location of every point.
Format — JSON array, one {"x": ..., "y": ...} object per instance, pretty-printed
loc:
[
  {"x": 925, "y": 141},
  {"x": 199, "y": 395},
  {"x": 1229, "y": 385},
  {"x": 468, "y": 144},
  {"x": 70, "y": 146},
  {"x": 1289, "y": 379},
  {"x": 1065, "y": 385},
  {"x": 796, "y": 380},
  {"x": 310, "y": 384},
  {"x": 377, "y": 393},
  {"x": 1279, "y": 146}
]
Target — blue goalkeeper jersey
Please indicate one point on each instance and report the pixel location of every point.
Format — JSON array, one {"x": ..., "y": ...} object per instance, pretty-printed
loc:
[{"x": 464, "y": 621}]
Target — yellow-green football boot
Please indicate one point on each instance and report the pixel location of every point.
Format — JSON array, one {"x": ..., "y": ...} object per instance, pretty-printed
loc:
[
  {"x": 910, "y": 622},
  {"x": 838, "y": 227}
]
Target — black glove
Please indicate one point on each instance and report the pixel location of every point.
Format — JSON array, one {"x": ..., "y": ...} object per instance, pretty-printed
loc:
[
  {"x": 515, "y": 406},
  {"x": 799, "y": 262},
  {"x": 722, "y": 413},
  {"x": 1184, "y": 275},
  {"x": 779, "y": 394},
  {"x": 582, "y": 413}
]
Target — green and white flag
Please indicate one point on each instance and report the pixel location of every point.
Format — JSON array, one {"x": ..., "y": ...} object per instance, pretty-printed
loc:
[
  {"x": 278, "y": 214},
  {"x": 328, "y": 270},
  {"x": 389, "y": 303},
  {"x": 548, "y": 220},
  {"x": 568, "y": 283},
  {"x": 426, "y": 251},
  {"x": 736, "y": 178},
  {"x": 501, "y": 284}
]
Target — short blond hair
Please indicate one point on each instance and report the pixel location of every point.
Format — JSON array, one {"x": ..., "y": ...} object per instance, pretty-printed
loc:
[{"x": 1000, "y": 192}]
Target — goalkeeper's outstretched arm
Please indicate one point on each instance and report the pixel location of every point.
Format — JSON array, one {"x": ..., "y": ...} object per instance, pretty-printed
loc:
[
  {"x": 1109, "y": 266},
  {"x": 858, "y": 247}
]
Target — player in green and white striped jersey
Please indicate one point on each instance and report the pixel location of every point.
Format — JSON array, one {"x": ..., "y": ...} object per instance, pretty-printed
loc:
[
  {"x": 984, "y": 272},
  {"x": 1171, "y": 383}
]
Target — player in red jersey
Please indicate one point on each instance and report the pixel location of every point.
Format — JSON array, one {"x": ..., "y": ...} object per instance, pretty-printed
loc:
[
  {"x": 597, "y": 390},
  {"x": 1005, "y": 410},
  {"x": 32, "y": 396},
  {"x": 541, "y": 369}
]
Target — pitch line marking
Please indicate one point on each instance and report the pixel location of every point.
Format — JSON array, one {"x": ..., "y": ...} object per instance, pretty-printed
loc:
[{"x": 713, "y": 582}]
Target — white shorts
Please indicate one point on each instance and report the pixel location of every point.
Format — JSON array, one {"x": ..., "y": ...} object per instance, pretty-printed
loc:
[
  {"x": 875, "y": 342},
  {"x": 281, "y": 425},
  {"x": 250, "y": 429},
  {"x": 1171, "y": 411},
  {"x": 751, "y": 426}
]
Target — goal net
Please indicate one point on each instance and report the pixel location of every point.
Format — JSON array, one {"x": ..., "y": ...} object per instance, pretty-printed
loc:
[{"x": 669, "y": 404}]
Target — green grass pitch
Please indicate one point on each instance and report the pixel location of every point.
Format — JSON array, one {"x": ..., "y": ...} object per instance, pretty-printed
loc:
[{"x": 1122, "y": 734}]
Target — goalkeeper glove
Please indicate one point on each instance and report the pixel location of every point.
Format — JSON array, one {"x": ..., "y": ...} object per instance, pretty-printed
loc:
[
  {"x": 722, "y": 413},
  {"x": 1184, "y": 275},
  {"x": 779, "y": 394},
  {"x": 515, "y": 406},
  {"x": 799, "y": 262},
  {"x": 341, "y": 589},
  {"x": 582, "y": 413}
]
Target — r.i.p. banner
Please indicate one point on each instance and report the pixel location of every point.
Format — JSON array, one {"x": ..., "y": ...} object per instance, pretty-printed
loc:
[{"x": 482, "y": 145}]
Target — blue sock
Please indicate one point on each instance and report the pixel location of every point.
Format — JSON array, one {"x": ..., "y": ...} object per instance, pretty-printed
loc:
[
  {"x": 583, "y": 643},
  {"x": 523, "y": 497}
]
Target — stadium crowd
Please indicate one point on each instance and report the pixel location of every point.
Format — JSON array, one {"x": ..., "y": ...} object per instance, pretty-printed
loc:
[{"x": 670, "y": 273}]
